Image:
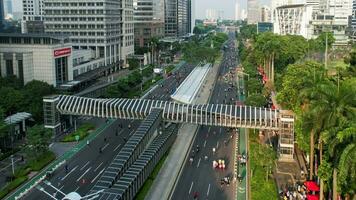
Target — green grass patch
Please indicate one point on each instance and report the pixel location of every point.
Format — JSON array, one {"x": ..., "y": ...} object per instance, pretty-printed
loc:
[
  {"x": 42, "y": 161},
  {"x": 262, "y": 159},
  {"x": 12, "y": 185},
  {"x": 83, "y": 131},
  {"x": 148, "y": 183},
  {"x": 169, "y": 68}
]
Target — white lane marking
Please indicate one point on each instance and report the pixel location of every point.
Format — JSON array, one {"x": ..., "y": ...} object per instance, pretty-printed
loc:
[
  {"x": 191, "y": 186},
  {"x": 7, "y": 166},
  {"x": 98, "y": 167},
  {"x": 61, "y": 187},
  {"x": 198, "y": 163},
  {"x": 217, "y": 145},
  {"x": 105, "y": 146},
  {"x": 207, "y": 193},
  {"x": 76, "y": 189},
  {"x": 131, "y": 132},
  {"x": 132, "y": 120},
  {"x": 92, "y": 181},
  {"x": 209, "y": 129},
  {"x": 84, "y": 174},
  {"x": 69, "y": 172},
  {"x": 205, "y": 143},
  {"x": 120, "y": 132},
  {"x": 117, "y": 147},
  {"x": 220, "y": 130},
  {"x": 84, "y": 165}
]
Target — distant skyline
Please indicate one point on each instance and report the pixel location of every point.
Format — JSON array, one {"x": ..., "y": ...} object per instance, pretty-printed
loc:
[{"x": 228, "y": 6}]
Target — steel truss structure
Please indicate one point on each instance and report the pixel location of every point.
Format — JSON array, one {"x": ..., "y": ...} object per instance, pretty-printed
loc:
[{"x": 208, "y": 114}]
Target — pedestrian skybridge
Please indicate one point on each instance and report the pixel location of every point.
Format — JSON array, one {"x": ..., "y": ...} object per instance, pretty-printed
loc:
[{"x": 208, "y": 114}]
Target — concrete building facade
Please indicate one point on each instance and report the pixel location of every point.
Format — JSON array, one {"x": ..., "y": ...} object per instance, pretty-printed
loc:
[
  {"x": 265, "y": 14},
  {"x": 104, "y": 26},
  {"x": 32, "y": 19},
  {"x": 149, "y": 20},
  {"x": 293, "y": 20},
  {"x": 176, "y": 18},
  {"x": 253, "y": 12}
]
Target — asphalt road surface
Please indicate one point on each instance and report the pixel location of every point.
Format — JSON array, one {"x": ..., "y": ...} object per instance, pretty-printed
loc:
[
  {"x": 84, "y": 169},
  {"x": 199, "y": 178}
]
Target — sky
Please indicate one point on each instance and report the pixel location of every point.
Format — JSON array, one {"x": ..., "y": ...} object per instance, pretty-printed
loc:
[{"x": 228, "y": 6}]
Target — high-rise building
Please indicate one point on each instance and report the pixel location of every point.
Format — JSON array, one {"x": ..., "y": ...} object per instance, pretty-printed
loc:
[
  {"x": 333, "y": 16},
  {"x": 293, "y": 19},
  {"x": 237, "y": 11},
  {"x": 149, "y": 20},
  {"x": 211, "y": 14},
  {"x": 2, "y": 14},
  {"x": 8, "y": 7},
  {"x": 190, "y": 16},
  {"x": 253, "y": 11},
  {"x": 243, "y": 14},
  {"x": 32, "y": 19},
  {"x": 106, "y": 27},
  {"x": 265, "y": 14},
  {"x": 352, "y": 23},
  {"x": 176, "y": 18},
  {"x": 183, "y": 17}
]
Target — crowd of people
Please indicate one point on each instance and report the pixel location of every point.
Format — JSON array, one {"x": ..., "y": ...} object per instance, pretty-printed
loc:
[{"x": 294, "y": 192}]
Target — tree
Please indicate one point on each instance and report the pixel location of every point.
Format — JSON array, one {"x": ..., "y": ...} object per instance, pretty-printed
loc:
[
  {"x": 12, "y": 101},
  {"x": 133, "y": 63},
  {"x": 257, "y": 100},
  {"x": 38, "y": 138},
  {"x": 254, "y": 86},
  {"x": 296, "y": 78},
  {"x": 4, "y": 129},
  {"x": 329, "y": 106},
  {"x": 34, "y": 92}
]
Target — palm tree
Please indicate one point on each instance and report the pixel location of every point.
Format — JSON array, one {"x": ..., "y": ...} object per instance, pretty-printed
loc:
[{"x": 330, "y": 106}]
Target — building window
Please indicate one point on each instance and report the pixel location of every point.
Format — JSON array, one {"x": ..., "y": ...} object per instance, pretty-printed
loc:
[
  {"x": 61, "y": 66},
  {"x": 20, "y": 70},
  {"x": 9, "y": 68}
]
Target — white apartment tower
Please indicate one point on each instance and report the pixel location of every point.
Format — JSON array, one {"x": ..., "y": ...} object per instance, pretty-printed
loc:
[
  {"x": 253, "y": 12},
  {"x": 265, "y": 14},
  {"x": 237, "y": 11},
  {"x": 104, "y": 26}
]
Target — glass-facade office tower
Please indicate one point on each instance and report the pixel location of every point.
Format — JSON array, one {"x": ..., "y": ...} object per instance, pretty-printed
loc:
[{"x": 177, "y": 18}]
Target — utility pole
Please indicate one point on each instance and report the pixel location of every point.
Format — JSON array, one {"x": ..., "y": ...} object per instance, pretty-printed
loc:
[
  {"x": 326, "y": 50},
  {"x": 13, "y": 164}
]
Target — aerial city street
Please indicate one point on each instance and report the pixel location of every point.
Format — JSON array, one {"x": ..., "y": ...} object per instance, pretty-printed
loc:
[{"x": 177, "y": 100}]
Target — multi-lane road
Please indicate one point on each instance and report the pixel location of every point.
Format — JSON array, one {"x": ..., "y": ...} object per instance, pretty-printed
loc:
[
  {"x": 84, "y": 169},
  {"x": 199, "y": 179}
]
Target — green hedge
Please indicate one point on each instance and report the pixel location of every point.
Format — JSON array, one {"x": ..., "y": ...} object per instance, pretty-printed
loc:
[
  {"x": 169, "y": 68},
  {"x": 22, "y": 172},
  {"x": 11, "y": 186},
  {"x": 261, "y": 156},
  {"x": 44, "y": 160},
  {"x": 82, "y": 131}
]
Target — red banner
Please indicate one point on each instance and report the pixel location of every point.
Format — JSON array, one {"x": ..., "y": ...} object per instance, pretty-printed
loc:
[{"x": 62, "y": 52}]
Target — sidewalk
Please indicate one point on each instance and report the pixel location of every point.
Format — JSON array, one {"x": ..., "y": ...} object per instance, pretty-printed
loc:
[{"x": 167, "y": 178}]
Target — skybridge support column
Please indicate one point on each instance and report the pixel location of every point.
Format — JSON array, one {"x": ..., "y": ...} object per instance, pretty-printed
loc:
[
  {"x": 51, "y": 114},
  {"x": 286, "y": 136}
]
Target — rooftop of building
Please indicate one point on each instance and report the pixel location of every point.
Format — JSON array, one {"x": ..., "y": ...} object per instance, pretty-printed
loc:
[{"x": 35, "y": 35}]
